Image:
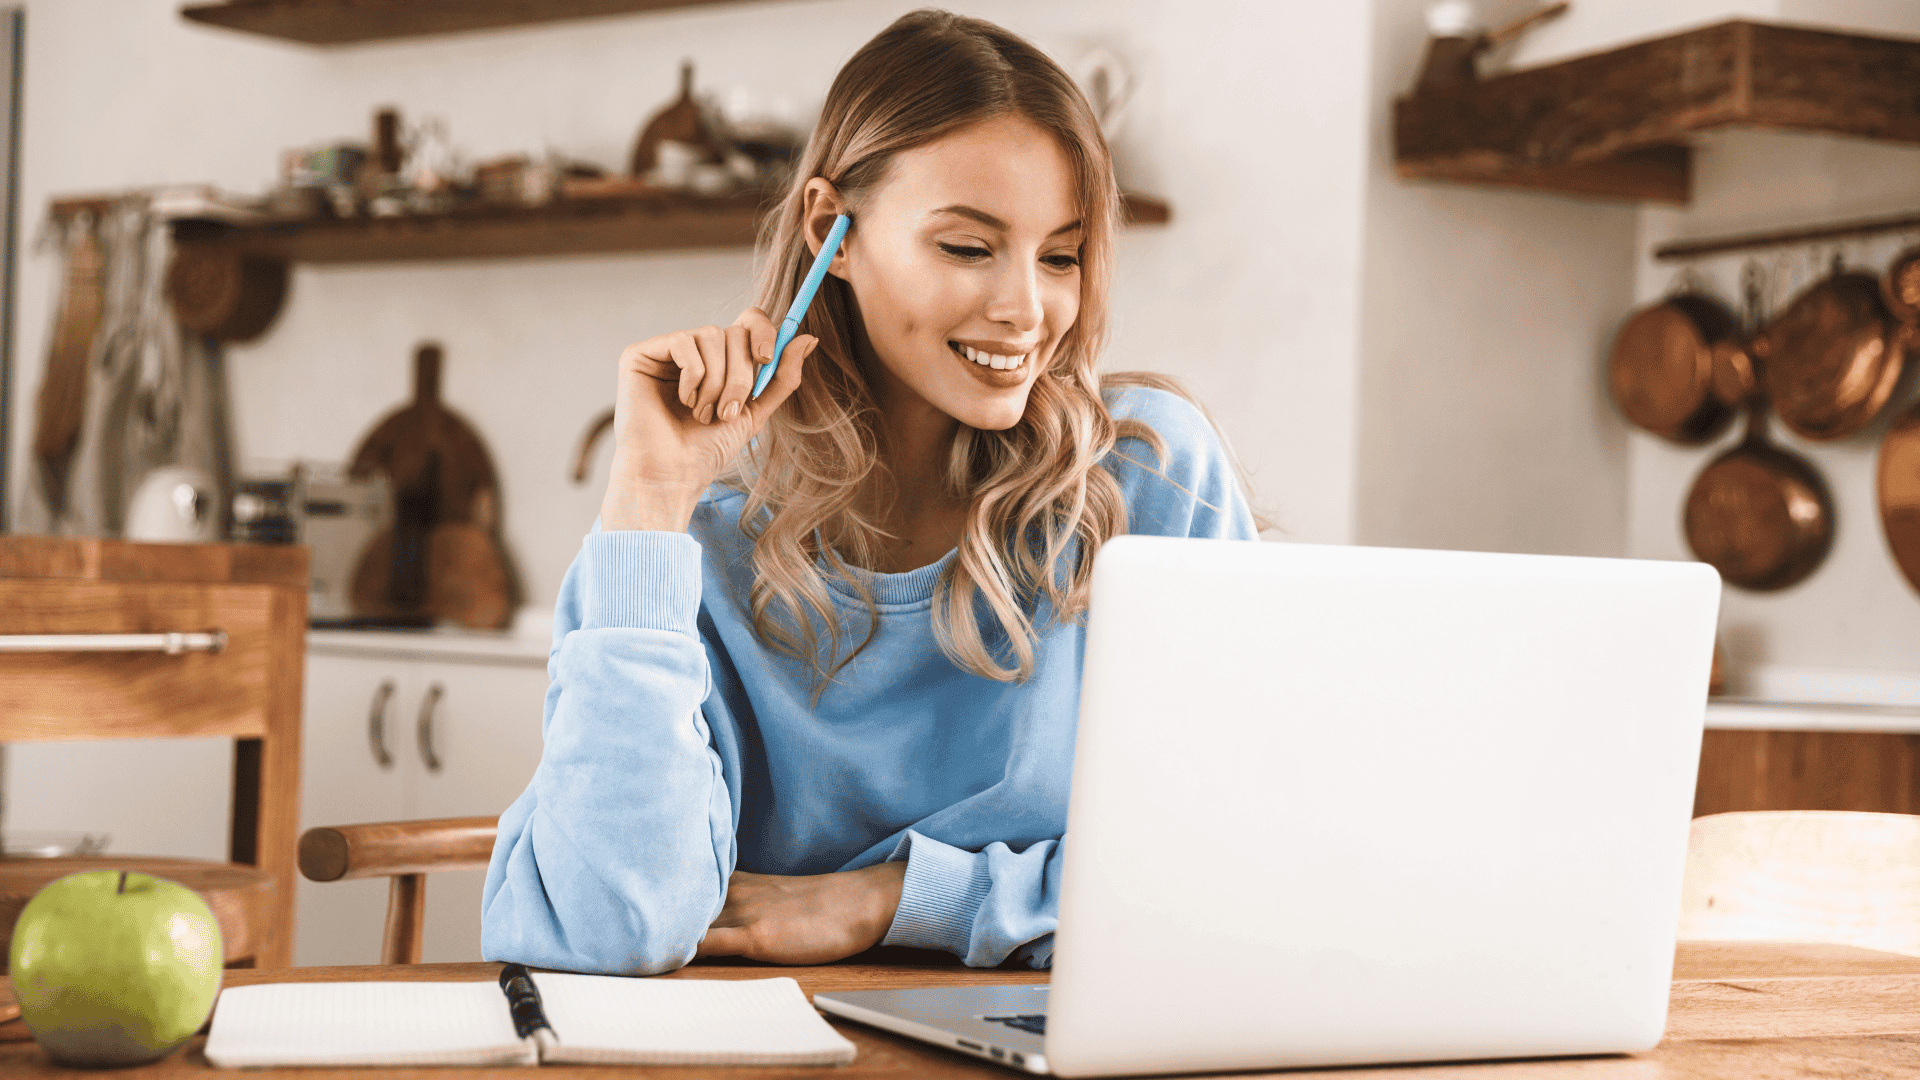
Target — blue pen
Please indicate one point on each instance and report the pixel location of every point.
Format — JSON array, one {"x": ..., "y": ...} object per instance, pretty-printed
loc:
[{"x": 802, "y": 300}]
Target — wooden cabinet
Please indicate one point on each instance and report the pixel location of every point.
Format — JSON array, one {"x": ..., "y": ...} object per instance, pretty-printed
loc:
[
  {"x": 110, "y": 641},
  {"x": 404, "y": 736},
  {"x": 1808, "y": 770}
]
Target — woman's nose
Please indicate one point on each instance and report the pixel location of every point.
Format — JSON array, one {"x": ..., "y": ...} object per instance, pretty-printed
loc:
[{"x": 1016, "y": 300}]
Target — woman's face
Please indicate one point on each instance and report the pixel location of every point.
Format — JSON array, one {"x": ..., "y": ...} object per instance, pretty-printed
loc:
[{"x": 965, "y": 263}]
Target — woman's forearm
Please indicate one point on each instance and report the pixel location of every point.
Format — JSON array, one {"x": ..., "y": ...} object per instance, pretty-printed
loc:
[{"x": 615, "y": 859}]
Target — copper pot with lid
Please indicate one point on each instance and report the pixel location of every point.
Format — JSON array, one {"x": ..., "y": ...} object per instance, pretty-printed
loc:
[
  {"x": 1837, "y": 353},
  {"x": 1660, "y": 370}
]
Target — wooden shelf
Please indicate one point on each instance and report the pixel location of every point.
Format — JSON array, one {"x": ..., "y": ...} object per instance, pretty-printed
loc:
[
  {"x": 563, "y": 227},
  {"x": 346, "y": 22},
  {"x": 1616, "y": 124}
]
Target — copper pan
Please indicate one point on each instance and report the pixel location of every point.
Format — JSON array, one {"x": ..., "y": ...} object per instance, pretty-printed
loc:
[
  {"x": 1901, "y": 289},
  {"x": 1899, "y": 484},
  {"x": 1661, "y": 368},
  {"x": 1837, "y": 354},
  {"x": 1758, "y": 514}
]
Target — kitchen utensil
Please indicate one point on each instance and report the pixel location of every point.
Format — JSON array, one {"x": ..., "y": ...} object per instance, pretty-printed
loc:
[
  {"x": 1837, "y": 354},
  {"x": 1661, "y": 367},
  {"x": 1454, "y": 49},
  {"x": 1736, "y": 361},
  {"x": 441, "y": 474},
  {"x": 1759, "y": 514},
  {"x": 36, "y": 844},
  {"x": 1899, "y": 489},
  {"x": 1901, "y": 289},
  {"x": 682, "y": 121},
  {"x": 175, "y": 504},
  {"x": 62, "y": 403},
  {"x": 583, "y": 457},
  {"x": 223, "y": 294}
]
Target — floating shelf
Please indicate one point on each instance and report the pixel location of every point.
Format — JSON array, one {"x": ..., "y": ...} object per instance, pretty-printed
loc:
[
  {"x": 576, "y": 226},
  {"x": 347, "y": 22},
  {"x": 1616, "y": 124}
]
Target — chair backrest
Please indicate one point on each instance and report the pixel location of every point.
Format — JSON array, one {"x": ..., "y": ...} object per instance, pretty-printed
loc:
[
  {"x": 1832, "y": 876},
  {"x": 405, "y": 852}
]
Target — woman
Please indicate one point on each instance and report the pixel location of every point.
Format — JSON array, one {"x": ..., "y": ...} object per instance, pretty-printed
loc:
[{"x": 828, "y": 702}]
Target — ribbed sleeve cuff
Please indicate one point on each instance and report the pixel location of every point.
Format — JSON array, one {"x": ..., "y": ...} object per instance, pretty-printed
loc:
[
  {"x": 944, "y": 889},
  {"x": 641, "y": 580}
]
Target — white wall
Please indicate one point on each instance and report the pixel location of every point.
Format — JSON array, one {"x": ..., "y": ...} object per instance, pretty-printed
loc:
[
  {"x": 1248, "y": 295},
  {"x": 1483, "y": 424}
]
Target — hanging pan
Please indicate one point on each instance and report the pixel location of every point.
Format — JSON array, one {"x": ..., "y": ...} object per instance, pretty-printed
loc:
[
  {"x": 1661, "y": 367},
  {"x": 1901, "y": 289},
  {"x": 1899, "y": 484},
  {"x": 1837, "y": 353},
  {"x": 1758, "y": 514}
]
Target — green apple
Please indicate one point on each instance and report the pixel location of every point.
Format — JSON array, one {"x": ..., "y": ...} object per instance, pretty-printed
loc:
[{"x": 114, "y": 968}]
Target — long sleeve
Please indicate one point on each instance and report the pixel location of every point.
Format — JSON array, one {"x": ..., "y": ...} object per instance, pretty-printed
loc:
[
  {"x": 996, "y": 903},
  {"x": 616, "y": 857}
]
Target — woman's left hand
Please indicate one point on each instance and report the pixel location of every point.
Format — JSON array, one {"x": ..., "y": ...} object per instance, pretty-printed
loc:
[{"x": 805, "y": 920}]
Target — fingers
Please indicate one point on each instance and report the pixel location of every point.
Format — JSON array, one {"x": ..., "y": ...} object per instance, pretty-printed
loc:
[
  {"x": 713, "y": 367},
  {"x": 786, "y": 379},
  {"x": 685, "y": 353},
  {"x": 713, "y": 355},
  {"x": 761, "y": 334},
  {"x": 741, "y": 367}
]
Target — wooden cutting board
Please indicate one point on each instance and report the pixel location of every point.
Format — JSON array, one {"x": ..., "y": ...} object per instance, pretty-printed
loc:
[
  {"x": 442, "y": 559},
  {"x": 62, "y": 404}
]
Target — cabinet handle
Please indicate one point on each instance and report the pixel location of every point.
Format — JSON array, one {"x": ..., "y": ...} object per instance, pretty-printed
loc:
[
  {"x": 171, "y": 644},
  {"x": 426, "y": 727},
  {"x": 377, "y": 724}
]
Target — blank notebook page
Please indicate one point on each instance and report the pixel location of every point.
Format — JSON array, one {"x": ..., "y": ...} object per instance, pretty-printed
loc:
[
  {"x": 603, "y": 1020},
  {"x": 365, "y": 1023}
]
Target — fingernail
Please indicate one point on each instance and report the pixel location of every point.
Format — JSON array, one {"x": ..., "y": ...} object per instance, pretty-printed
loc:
[
  {"x": 730, "y": 410},
  {"x": 706, "y": 414},
  {"x": 766, "y": 355}
]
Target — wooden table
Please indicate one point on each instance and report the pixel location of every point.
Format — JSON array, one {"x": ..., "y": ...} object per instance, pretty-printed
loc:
[{"x": 1741, "y": 1011}]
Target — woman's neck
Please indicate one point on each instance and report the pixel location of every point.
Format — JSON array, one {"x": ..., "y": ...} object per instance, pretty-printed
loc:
[{"x": 908, "y": 497}]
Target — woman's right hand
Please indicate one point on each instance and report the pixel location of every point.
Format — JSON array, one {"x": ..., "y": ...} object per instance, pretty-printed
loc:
[{"x": 682, "y": 412}]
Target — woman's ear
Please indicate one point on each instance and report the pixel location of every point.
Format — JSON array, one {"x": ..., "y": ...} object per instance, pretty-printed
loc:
[{"x": 821, "y": 205}]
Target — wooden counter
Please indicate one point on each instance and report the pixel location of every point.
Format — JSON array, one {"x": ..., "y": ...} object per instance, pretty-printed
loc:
[{"x": 1739, "y": 1010}]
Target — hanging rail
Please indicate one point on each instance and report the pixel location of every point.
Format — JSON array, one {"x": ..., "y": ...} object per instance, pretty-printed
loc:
[{"x": 1717, "y": 245}]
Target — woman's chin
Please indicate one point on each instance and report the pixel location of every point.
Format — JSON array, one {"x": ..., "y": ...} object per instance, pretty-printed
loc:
[{"x": 997, "y": 413}]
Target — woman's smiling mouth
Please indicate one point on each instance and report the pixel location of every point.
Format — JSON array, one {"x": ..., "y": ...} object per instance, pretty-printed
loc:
[{"x": 995, "y": 369}]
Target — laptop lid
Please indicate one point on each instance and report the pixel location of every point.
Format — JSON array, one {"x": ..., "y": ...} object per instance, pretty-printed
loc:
[{"x": 1337, "y": 805}]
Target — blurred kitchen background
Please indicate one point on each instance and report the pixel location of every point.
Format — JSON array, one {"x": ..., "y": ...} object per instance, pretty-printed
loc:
[{"x": 1401, "y": 362}]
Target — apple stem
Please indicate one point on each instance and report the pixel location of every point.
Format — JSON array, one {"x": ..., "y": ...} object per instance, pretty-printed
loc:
[{"x": 123, "y": 884}]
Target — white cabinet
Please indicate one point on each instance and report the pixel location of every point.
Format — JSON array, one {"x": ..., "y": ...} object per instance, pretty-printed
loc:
[{"x": 396, "y": 735}]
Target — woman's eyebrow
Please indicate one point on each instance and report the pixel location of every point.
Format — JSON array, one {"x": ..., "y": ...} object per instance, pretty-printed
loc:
[{"x": 992, "y": 222}]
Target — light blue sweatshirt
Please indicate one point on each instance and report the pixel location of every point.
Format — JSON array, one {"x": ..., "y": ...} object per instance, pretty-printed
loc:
[{"x": 680, "y": 747}]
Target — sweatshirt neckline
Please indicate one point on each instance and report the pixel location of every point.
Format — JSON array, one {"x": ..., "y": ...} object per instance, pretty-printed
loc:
[{"x": 891, "y": 590}]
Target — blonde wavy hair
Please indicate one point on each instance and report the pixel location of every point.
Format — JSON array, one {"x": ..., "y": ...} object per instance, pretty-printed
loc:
[{"x": 1040, "y": 502}]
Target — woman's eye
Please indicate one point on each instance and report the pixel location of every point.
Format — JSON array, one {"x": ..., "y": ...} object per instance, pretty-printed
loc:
[
  {"x": 1062, "y": 262},
  {"x": 962, "y": 251}
]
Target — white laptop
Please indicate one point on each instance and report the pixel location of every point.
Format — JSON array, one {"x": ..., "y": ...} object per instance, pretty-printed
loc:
[{"x": 1339, "y": 805}]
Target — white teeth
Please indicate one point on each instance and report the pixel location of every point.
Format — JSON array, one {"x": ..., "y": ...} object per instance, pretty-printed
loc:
[{"x": 992, "y": 360}]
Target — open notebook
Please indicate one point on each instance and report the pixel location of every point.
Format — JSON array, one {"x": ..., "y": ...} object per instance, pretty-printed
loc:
[{"x": 572, "y": 1019}]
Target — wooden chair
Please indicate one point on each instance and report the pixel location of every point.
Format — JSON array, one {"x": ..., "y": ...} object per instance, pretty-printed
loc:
[
  {"x": 105, "y": 639},
  {"x": 406, "y": 852},
  {"x": 1839, "y": 877}
]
